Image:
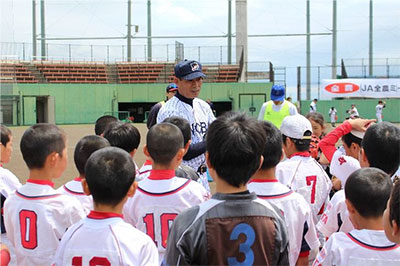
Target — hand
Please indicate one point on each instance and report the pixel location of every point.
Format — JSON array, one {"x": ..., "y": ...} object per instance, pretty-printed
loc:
[{"x": 361, "y": 124}]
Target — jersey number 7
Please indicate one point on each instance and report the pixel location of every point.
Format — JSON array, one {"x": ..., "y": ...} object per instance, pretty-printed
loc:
[
  {"x": 165, "y": 220},
  {"x": 312, "y": 180}
]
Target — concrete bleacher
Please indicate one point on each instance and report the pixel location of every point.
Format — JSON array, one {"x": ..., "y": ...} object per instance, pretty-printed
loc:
[
  {"x": 126, "y": 73},
  {"x": 73, "y": 73},
  {"x": 15, "y": 73}
]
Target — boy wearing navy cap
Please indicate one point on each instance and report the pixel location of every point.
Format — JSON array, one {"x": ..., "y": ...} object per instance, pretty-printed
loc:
[{"x": 170, "y": 92}]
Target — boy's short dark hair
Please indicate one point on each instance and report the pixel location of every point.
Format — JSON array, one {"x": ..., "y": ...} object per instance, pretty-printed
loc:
[
  {"x": 350, "y": 138},
  {"x": 5, "y": 135},
  {"x": 368, "y": 190},
  {"x": 102, "y": 123},
  {"x": 394, "y": 210},
  {"x": 109, "y": 174},
  {"x": 235, "y": 143},
  {"x": 39, "y": 141},
  {"x": 381, "y": 144},
  {"x": 123, "y": 135},
  {"x": 163, "y": 142},
  {"x": 85, "y": 147},
  {"x": 273, "y": 146},
  {"x": 183, "y": 125},
  {"x": 300, "y": 144}
]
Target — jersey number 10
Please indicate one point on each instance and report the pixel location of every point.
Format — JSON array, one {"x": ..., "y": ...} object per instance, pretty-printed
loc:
[{"x": 165, "y": 220}]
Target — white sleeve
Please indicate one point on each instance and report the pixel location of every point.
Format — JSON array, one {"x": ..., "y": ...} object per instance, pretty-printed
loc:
[
  {"x": 161, "y": 116},
  {"x": 325, "y": 256},
  {"x": 311, "y": 236},
  {"x": 262, "y": 112},
  {"x": 328, "y": 223},
  {"x": 127, "y": 211},
  {"x": 149, "y": 254},
  {"x": 292, "y": 109},
  {"x": 59, "y": 255}
]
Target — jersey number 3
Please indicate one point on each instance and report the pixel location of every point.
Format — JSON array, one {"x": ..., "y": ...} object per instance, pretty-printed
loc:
[
  {"x": 28, "y": 222},
  {"x": 165, "y": 220}
]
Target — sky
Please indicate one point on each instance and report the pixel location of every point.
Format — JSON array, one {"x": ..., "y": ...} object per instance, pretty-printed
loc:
[{"x": 104, "y": 18}]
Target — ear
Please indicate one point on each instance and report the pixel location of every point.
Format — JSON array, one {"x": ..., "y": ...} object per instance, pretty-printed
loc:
[
  {"x": 261, "y": 161},
  {"x": 176, "y": 81},
  {"x": 146, "y": 151},
  {"x": 283, "y": 155},
  {"x": 52, "y": 159},
  {"x": 350, "y": 207},
  {"x": 85, "y": 187},
  {"x": 132, "y": 189},
  {"x": 363, "y": 158},
  {"x": 187, "y": 145},
  {"x": 132, "y": 153},
  {"x": 179, "y": 155},
  {"x": 208, "y": 163}
]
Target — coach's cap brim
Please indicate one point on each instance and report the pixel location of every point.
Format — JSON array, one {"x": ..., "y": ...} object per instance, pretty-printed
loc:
[{"x": 194, "y": 75}]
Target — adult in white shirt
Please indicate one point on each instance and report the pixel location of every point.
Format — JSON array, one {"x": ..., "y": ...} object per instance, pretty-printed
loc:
[
  {"x": 277, "y": 108},
  {"x": 379, "y": 109},
  {"x": 333, "y": 116},
  {"x": 313, "y": 105},
  {"x": 353, "y": 112}
]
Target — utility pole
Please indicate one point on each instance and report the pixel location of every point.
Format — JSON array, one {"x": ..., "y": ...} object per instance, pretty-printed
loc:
[
  {"x": 229, "y": 32},
  {"x": 149, "y": 44},
  {"x": 308, "y": 54},
  {"x": 334, "y": 39},
  {"x": 34, "y": 49},
  {"x": 371, "y": 39},
  {"x": 42, "y": 31},
  {"x": 128, "y": 37}
]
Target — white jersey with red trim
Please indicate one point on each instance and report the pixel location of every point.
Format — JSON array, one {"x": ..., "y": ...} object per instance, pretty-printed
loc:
[
  {"x": 342, "y": 165},
  {"x": 36, "y": 217},
  {"x": 105, "y": 239},
  {"x": 74, "y": 189},
  {"x": 144, "y": 171},
  {"x": 359, "y": 248},
  {"x": 8, "y": 182},
  {"x": 158, "y": 200},
  {"x": 335, "y": 217},
  {"x": 296, "y": 211},
  {"x": 303, "y": 174}
]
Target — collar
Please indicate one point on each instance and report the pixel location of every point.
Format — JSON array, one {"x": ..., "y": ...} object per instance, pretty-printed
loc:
[
  {"x": 259, "y": 180},
  {"x": 245, "y": 195},
  {"x": 302, "y": 154},
  {"x": 161, "y": 174},
  {"x": 147, "y": 162},
  {"x": 79, "y": 179},
  {"x": 103, "y": 215},
  {"x": 41, "y": 182},
  {"x": 184, "y": 99}
]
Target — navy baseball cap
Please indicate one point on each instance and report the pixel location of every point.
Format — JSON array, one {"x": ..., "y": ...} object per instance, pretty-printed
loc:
[
  {"x": 188, "y": 70},
  {"x": 172, "y": 87},
  {"x": 277, "y": 93}
]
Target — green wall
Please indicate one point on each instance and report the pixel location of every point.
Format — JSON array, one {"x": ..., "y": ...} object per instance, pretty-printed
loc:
[
  {"x": 366, "y": 108},
  {"x": 84, "y": 103}
]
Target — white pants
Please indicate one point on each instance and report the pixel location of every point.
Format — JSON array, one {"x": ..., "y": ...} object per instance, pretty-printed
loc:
[{"x": 378, "y": 118}]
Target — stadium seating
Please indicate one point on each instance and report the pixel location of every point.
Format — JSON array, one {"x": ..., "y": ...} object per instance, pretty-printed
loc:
[
  {"x": 15, "y": 73},
  {"x": 74, "y": 72}
]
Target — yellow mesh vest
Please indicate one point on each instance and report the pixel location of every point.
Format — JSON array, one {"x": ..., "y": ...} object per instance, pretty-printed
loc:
[{"x": 274, "y": 117}]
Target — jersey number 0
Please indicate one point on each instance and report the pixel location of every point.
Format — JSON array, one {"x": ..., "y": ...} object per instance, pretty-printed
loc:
[{"x": 28, "y": 222}]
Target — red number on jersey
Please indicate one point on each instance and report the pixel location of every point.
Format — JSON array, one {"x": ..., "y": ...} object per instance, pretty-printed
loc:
[
  {"x": 165, "y": 220},
  {"x": 28, "y": 220},
  {"x": 312, "y": 180},
  {"x": 95, "y": 261}
]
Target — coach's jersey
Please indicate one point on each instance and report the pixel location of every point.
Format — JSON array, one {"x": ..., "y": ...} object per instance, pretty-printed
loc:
[
  {"x": 304, "y": 175},
  {"x": 105, "y": 239},
  {"x": 199, "y": 115},
  {"x": 296, "y": 211},
  {"x": 158, "y": 200},
  {"x": 74, "y": 188},
  {"x": 36, "y": 217},
  {"x": 335, "y": 217},
  {"x": 234, "y": 229},
  {"x": 359, "y": 248},
  {"x": 342, "y": 165}
]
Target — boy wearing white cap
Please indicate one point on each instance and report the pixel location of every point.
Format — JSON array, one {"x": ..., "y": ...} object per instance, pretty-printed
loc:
[{"x": 300, "y": 171}]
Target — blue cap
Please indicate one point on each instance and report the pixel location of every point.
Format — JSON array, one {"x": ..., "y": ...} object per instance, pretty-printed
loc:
[
  {"x": 172, "y": 87},
  {"x": 188, "y": 70},
  {"x": 277, "y": 93}
]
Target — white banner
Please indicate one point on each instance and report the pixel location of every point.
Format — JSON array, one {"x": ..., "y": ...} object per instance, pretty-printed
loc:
[{"x": 361, "y": 88}]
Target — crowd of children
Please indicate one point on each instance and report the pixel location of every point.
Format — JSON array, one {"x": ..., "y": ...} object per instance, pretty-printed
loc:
[{"x": 276, "y": 202}]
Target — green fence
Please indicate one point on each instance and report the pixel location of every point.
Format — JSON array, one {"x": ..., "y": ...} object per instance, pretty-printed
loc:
[{"x": 366, "y": 108}]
